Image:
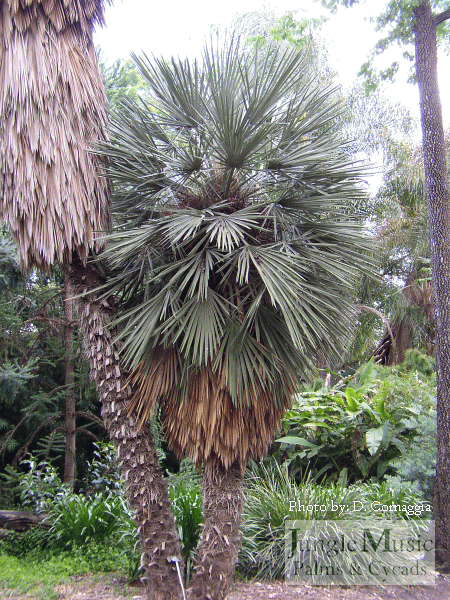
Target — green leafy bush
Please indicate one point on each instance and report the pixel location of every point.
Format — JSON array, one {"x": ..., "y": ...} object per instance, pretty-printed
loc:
[
  {"x": 103, "y": 474},
  {"x": 96, "y": 557},
  {"x": 413, "y": 385},
  {"x": 130, "y": 544},
  {"x": 365, "y": 423},
  {"x": 187, "y": 508},
  {"x": 102, "y": 512},
  {"x": 416, "y": 466},
  {"x": 38, "y": 486},
  {"x": 269, "y": 492},
  {"x": 417, "y": 361},
  {"x": 407, "y": 385},
  {"x": 90, "y": 554},
  {"x": 17, "y": 544},
  {"x": 412, "y": 503}
]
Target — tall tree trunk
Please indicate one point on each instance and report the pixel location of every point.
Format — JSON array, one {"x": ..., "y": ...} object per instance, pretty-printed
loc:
[
  {"x": 438, "y": 198},
  {"x": 145, "y": 485},
  {"x": 69, "y": 453},
  {"x": 216, "y": 555}
]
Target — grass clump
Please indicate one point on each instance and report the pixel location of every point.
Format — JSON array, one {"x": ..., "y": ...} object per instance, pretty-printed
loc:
[
  {"x": 273, "y": 497},
  {"x": 78, "y": 519}
]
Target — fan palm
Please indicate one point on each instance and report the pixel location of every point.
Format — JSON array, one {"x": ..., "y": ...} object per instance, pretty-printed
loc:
[
  {"x": 56, "y": 203},
  {"x": 238, "y": 243},
  {"x": 403, "y": 235}
]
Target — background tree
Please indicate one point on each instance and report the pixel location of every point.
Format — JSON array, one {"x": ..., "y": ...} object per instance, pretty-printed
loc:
[
  {"x": 121, "y": 80},
  {"x": 261, "y": 27},
  {"x": 33, "y": 382},
  {"x": 237, "y": 246},
  {"x": 422, "y": 23},
  {"x": 402, "y": 295}
]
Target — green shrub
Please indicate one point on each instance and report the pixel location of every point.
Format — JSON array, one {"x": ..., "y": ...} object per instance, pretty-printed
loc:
[
  {"x": 415, "y": 360},
  {"x": 103, "y": 472},
  {"x": 38, "y": 486},
  {"x": 416, "y": 467},
  {"x": 129, "y": 542},
  {"x": 187, "y": 508},
  {"x": 407, "y": 387},
  {"x": 102, "y": 513},
  {"x": 402, "y": 496},
  {"x": 366, "y": 423},
  {"x": 99, "y": 557},
  {"x": 269, "y": 495},
  {"x": 413, "y": 385}
]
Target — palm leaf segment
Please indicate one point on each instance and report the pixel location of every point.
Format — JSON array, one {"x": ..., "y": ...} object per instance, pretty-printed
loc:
[{"x": 237, "y": 247}]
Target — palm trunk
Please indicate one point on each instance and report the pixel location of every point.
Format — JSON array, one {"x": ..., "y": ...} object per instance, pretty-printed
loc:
[
  {"x": 145, "y": 485},
  {"x": 69, "y": 453},
  {"x": 438, "y": 198},
  {"x": 216, "y": 556}
]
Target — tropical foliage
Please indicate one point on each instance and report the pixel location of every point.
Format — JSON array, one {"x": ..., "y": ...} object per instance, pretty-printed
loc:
[
  {"x": 368, "y": 426},
  {"x": 80, "y": 525}
]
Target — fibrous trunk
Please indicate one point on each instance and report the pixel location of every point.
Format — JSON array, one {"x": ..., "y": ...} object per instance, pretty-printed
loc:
[
  {"x": 438, "y": 198},
  {"x": 145, "y": 485},
  {"x": 216, "y": 555},
  {"x": 69, "y": 453}
]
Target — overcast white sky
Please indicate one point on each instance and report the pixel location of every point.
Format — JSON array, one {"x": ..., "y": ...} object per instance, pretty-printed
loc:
[{"x": 178, "y": 27}]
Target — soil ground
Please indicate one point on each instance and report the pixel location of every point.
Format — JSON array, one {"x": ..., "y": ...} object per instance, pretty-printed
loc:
[{"x": 107, "y": 587}]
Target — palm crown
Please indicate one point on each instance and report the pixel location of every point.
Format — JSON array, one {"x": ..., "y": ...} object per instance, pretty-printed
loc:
[{"x": 237, "y": 245}]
